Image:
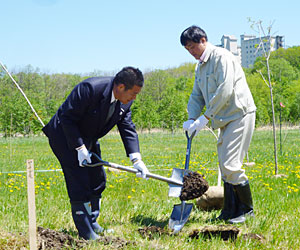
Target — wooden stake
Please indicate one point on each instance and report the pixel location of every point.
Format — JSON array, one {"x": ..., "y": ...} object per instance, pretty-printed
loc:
[{"x": 31, "y": 205}]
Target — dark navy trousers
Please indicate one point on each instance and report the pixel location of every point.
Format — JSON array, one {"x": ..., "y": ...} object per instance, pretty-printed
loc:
[{"x": 83, "y": 183}]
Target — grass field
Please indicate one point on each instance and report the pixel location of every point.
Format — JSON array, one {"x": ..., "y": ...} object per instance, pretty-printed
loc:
[{"x": 130, "y": 203}]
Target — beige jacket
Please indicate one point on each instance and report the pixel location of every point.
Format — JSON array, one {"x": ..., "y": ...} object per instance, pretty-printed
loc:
[{"x": 221, "y": 86}]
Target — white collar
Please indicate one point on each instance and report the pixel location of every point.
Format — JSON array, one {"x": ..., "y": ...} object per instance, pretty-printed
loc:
[{"x": 113, "y": 98}]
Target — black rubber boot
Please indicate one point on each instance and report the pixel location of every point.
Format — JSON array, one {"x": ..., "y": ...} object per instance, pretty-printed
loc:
[
  {"x": 244, "y": 203},
  {"x": 96, "y": 205},
  {"x": 229, "y": 205},
  {"x": 81, "y": 212}
]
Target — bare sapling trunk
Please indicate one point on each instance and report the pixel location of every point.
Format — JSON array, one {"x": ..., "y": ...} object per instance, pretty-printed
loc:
[
  {"x": 266, "y": 53},
  {"x": 273, "y": 118}
]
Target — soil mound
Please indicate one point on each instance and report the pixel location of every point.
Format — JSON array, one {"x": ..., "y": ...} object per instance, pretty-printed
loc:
[
  {"x": 50, "y": 239},
  {"x": 194, "y": 186}
]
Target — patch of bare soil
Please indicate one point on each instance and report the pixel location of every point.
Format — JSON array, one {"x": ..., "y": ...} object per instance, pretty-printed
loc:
[
  {"x": 194, "y": 186},
  {"x": 50, "y": 239},
  {"x": 152, "y": 231},
  {"x": 226, "y": 232}
]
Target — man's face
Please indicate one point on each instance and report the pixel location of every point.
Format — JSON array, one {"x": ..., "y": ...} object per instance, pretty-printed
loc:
[
  {"x": 195, "y": 49},
  {"x": 125, "y": 96}
]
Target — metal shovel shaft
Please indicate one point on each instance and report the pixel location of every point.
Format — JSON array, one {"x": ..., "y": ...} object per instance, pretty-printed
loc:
[
  {"x": 132, "y": 170},
  {"x": 188, "y": 149},
  {"x": 148, "y": 175}
]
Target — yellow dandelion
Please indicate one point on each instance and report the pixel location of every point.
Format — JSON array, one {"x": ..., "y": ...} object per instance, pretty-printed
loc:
[
  {"x": 143, "y": 191},
  {"x": 11, "y": 190},
  {"x": 133, "y": 190},
  {"x": 129, "y": 196}
]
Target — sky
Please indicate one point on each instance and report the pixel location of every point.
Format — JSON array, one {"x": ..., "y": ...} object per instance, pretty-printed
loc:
[{"x": 84, "y": 36}]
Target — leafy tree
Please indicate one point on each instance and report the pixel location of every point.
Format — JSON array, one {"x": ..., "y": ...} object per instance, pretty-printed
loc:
[
  {"x": 261, "y": 98},
  {"x": 172, "y": 108},
  {"x": 144, "y": 112},
  {"x": 292, "y": 55}
]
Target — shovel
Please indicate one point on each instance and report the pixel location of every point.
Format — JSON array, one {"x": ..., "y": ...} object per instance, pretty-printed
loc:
[
  {"x": 175, "y": 181},
  {"x": 181, "y": 212}
]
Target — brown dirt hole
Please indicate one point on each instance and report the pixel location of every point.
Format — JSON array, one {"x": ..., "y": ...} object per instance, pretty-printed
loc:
[{"x": 194, "y": 186}]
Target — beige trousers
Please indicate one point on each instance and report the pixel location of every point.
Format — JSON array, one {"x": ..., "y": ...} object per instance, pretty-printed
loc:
[{"x": 233, "y": 144}]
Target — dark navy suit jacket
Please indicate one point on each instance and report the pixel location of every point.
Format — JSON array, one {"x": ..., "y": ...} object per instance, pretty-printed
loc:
[{"x": 81, "y": 119}]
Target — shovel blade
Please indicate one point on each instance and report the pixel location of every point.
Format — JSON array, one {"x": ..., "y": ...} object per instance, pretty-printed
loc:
[
  {"x": 177, "y": 175},
  {"x": 179, "y": 216}
]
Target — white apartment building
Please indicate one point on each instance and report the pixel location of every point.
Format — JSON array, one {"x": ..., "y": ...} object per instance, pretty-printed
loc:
[{"x": 248, "y": 52}]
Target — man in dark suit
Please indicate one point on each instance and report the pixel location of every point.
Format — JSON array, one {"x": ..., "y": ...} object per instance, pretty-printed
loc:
[{"x": 91, "y": 110}]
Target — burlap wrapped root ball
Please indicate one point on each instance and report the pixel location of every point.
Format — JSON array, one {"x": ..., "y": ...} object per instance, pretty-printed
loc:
[{"x": 212, "y": 199}]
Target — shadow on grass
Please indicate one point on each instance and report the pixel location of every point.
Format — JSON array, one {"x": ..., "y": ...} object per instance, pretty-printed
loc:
[{"x": 149, "y": 221}]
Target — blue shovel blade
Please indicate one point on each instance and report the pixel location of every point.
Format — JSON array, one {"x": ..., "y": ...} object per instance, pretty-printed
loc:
[{"x": 179, "y": 216}]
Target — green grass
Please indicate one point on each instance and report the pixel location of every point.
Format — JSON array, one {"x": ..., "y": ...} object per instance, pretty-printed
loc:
[{"x": 130, "y": 203}]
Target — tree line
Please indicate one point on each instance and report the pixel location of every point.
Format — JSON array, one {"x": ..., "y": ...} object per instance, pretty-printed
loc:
[{"x": 162, "y": 102}]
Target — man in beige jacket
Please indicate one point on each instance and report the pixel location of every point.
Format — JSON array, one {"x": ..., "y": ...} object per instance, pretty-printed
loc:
[{"x": 220, "y": 85}]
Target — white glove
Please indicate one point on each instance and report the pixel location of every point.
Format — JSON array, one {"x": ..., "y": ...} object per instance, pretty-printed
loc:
[
  {"x": 83, "y": 154},
  {"x": 138, "y": 164},
  {"x": 141, "y": 167},
  {"x": 197, "y": 125},
  {"x": 187, "y": 124}
]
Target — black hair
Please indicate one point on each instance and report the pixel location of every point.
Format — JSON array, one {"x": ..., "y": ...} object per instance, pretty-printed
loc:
[
  {"x": 129, "y": 76},
  {"x": 193, "y": 34}
]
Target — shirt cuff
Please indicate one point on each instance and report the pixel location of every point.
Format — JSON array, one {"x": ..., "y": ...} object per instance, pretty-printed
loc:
[
  {"x": 135, "y": 156},
  {"x": 82, "y": 146}
]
